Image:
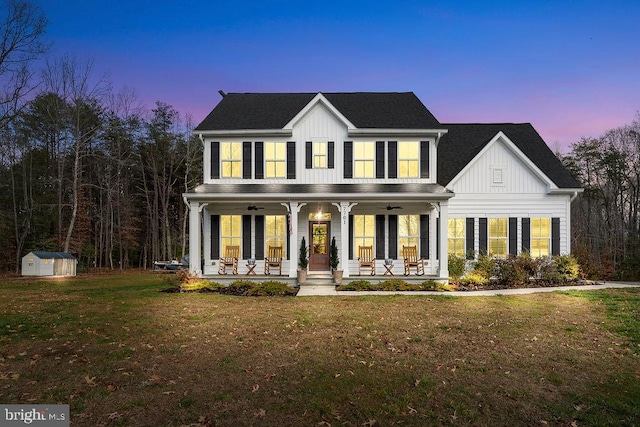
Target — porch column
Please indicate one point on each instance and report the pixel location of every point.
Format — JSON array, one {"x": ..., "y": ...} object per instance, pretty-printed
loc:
[
  {"x": 293, "y": 208},
  {"x": 344, "y": 208},
  {"x": 444, "y": 245},
  {"x": 194, "y": 239}
]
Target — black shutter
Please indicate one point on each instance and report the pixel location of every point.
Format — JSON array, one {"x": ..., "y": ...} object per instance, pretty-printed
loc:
[
  {"x": 246, "y": 236},
  {"x": 246, "y": 160},
  {"x": 526, "y": 234},
  {"x": 259, "y": 160},
  {"x": 483, "y": 232},
  {"x": 379, "y": 159},
  {"x": 424, "y": 159},
  {"x": 393, "y": 236},
  {"x": 380, "y": 236},
  {"x": 513, "y": 236},
  {"x": 350, "y": 236},
  {"x": 438, "y": 238},
  {"x": 291, "y": 160},
  {"x": 215, "y": 236},
  {"x": 330, "y": 155},
  {"x": 470, "y": 237},
  {"x": 348, "y": 159},
  {"x": 555, "y": 236},
  {"x": 215, "y": 160},
  {"x": 259, "y": 220},
  {"x": 424, "y": 236},
  {"x": 308, "y": 155},
  {"x": 392, "y": 148}
]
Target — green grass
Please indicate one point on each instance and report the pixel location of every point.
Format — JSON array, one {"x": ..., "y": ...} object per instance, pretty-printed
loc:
[{"x": 122, "y": 353}]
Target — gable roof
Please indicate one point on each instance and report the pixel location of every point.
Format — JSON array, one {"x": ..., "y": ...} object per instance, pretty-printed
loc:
[
  {"x": 464, "y": 141},
  {"x": 366, "y": 110},
  {"x": 52, "y": 255}
]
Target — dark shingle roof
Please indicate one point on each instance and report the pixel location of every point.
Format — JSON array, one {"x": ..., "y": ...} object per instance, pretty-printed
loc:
[
  {"x": 370, "y": 189},
  {"x": 464, "y": 141},
  {"x": 53, "y": 255},
  {"x": 366, "y": 110}
]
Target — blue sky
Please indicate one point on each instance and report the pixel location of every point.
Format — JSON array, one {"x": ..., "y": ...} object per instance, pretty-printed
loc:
[{"x": 571, "y": 68}]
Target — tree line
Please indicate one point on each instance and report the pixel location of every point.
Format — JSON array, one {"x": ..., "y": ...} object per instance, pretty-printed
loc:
[{"x": 85, "y": 169}]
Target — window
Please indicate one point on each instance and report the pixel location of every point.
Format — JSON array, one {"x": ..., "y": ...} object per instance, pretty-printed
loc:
[
  {"x": 364, "y": 230},
  {"x": 498, "y": 237},
  {"x": 230, "y": 232},
  {"x": 408, "y": 231},
  {"x": 275, "y": 230},
  {"x": 364, "y": 159},
  {"x": 275, "y": 160},
  {"x": 540, "y": 236},
  {"x": 456, "y": 236},
  {"x": 320, "y": 155},
  {"x": 408, "y": 160},
  {"x": 231, "y": 159}
]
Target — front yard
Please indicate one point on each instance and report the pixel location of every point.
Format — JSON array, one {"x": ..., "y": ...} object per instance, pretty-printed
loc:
[{"x": 122, "y": 353}]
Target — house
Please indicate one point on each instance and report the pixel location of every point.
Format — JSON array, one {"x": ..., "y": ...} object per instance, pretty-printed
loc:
[
  {"x": 40, "y": 263},
  {"x": 370, "y": 169}
]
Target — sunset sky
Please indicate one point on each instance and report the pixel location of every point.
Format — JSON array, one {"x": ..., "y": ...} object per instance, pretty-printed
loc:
[{"x": 571, "y": 68}]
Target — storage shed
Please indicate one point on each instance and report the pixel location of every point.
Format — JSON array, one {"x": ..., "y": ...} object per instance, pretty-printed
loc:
[{"x": 40, "y": 263}]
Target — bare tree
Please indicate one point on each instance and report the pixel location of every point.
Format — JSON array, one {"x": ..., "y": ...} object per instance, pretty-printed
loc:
[{"x": 22, "y": 25}]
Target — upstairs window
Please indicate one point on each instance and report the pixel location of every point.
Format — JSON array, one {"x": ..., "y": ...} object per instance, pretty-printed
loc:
[
  {"x": 408, "y": 231},
  {"x": 231, "y": 159},
  {"x": 320, "y": 155},
  {"x": 275, "y": 160},
  {"x": 498, "y": 237},
  {"x": 408, "y": 160},
  {"x": 540, "y": 236},
  {"x": 456, "y": 235},
  {"x": 364, "y": 159}
]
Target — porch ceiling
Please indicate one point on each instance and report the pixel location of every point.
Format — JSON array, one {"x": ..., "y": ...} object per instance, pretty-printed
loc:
[{"x": 278, "y": 191}]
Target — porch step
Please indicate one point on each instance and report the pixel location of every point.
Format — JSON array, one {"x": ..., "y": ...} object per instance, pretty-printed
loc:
[{"x": 319, "y": 279}]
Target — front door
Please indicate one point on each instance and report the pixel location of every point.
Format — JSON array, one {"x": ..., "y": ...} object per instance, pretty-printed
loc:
[{"x": 319, "y": 251}]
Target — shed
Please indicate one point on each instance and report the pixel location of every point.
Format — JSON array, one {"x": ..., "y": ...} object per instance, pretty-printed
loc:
[{"x": 40, "y": 263}]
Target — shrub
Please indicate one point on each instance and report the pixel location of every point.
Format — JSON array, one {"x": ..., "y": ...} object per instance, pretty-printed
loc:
[
  {"x": 509, "y": 272},
  {"x": 456, "y": 266},
  {"x": 397, "y": 285},
  {"x": 357, "y": 285},
  {"x": 237, "y": 287},
  {"x": 529, "y": 265},
  {"x": 473, "y": 278},
  {"x": 567, "y": 268},
  {"x": 485, "y": 265},
  {"x": 270, "y": 288}
]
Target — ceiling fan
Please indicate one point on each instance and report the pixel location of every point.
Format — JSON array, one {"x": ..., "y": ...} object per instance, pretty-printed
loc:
[
  {"x": 254, "y": 208},
  {"x": 390, "y": 208}
]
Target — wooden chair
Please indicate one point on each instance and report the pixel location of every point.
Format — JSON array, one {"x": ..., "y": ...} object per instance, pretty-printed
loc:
[
  {"x": 273, "y": 259},
  {"x": 366, "y": 260},
  {"x": 230, "y": 260},
  {"x": 411, "y": 260}
]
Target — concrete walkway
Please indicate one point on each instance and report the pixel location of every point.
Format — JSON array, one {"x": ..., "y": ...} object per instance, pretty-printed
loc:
[{"x": 314, "y": 290}]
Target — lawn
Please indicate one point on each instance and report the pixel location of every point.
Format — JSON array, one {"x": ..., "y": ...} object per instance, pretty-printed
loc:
[{"x": 122, "y": 353}]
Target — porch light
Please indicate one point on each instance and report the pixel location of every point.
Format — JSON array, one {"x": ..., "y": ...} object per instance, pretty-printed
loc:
[{"x": 319, "y": 214}]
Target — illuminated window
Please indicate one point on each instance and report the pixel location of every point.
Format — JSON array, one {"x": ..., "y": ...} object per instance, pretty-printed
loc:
[
  {"x": 364, "y": 159},
  {"x": 364, "y": 230},
  {"x": 456, "y": 236},
  {"x": 230, "y": 231},
  {"x": 540, "y": 236},
  {"x": 408, "y": 231},
  {"x": 275, "y": 160},
  {"x": 320, "y": 155},
  {"x": 408, "y": 160},
  {"x": 498, "y": 237},
  {"x": 275, "y": 232},
  {"x": 231, "y": 159}
]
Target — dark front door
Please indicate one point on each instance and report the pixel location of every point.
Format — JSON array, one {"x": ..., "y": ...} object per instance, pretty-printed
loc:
[{"x": 319, "y": 251}]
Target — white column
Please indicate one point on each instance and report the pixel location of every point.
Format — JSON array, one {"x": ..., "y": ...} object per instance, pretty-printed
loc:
[
  {"x": 293, "y": 239},
  {"x": 344, "y": 208},
  {"x": 195, "y": 260},
  {"x": 444, "y": 258},
  {"x": 433, "y": 258}
]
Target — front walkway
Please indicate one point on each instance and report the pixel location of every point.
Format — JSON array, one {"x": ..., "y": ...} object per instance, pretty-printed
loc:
[{"x": 313, "y": 290}]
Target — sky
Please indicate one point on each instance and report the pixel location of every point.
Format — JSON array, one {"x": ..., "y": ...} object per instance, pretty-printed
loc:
[{"x": 571, "y": 68}]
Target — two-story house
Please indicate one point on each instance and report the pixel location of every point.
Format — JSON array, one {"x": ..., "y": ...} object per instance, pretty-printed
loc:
[{"x": 370, "y": 169}]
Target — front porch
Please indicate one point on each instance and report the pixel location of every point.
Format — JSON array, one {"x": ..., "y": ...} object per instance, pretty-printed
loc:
[{"x": 323, "y": 279}]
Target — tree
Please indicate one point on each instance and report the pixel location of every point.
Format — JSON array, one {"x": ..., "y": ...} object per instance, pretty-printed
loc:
[{"x": 22, "y": 25}]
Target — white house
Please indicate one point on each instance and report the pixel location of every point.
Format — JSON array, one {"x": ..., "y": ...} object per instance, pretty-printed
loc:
[
  {"x": 370, "y": 169},
  {"x": 41, "y": 263}
]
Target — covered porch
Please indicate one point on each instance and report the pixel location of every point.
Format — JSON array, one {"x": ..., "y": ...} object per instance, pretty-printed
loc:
[{"x": 257, "y": 217}]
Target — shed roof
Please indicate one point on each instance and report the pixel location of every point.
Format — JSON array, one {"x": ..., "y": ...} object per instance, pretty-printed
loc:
[
  {"x": 366, "y": 110},
  {"x": 53, "y": 255}
]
